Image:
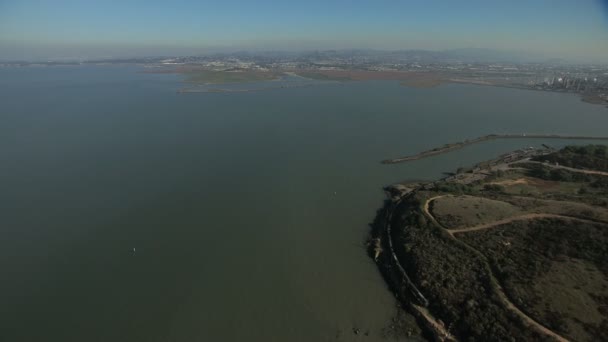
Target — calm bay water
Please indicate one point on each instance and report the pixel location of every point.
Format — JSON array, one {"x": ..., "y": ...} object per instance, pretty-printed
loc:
[{"x": 248, "y": 211}]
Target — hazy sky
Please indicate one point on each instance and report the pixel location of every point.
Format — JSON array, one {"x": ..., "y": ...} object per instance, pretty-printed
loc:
[{"x": 572, "y": 29}]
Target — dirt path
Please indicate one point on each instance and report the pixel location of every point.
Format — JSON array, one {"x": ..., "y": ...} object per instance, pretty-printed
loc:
[
  {"x": 589, "y": 172},
  {"x": 507, "y": 303},
  {"x": 527, "y": 319},
  {"x": 515, "y": 218},
  {"x": 427, "y": 212},
  {"x": 425, "y": 208},
  {"x": 442, "y": 333}
]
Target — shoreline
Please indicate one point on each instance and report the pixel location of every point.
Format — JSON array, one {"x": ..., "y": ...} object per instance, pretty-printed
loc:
[
  {"x": 413, "y": 79},
  {"x": 380, "y": 249}
]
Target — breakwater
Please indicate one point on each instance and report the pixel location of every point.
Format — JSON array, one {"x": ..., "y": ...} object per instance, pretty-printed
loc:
[{"x": 455, "y": 146}]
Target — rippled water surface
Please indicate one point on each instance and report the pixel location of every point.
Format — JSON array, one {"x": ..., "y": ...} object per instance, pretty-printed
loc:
[{"x": 247, "y": 211}]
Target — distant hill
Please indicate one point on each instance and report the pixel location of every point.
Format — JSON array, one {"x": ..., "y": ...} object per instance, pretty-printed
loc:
[{"x": 464, "y": 55}]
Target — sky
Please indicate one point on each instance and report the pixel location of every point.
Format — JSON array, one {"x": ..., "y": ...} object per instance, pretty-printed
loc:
[{"x": 38, "y": 29}]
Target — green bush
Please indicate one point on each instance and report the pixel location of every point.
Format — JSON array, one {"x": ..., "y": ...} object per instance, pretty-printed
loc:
[
  {"x": 588, "y": 157},
  {"x": 494, "y": 188}
]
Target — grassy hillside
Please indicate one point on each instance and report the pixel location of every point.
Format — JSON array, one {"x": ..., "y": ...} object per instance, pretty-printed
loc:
[{"x": 585, "y": 157}]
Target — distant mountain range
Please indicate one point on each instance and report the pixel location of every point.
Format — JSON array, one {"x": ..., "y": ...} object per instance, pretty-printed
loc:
[{"x": 463, "y": 55}]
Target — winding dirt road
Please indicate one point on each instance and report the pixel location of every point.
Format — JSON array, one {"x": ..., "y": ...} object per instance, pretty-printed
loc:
[
  {"x": 589, "y": 172},
  {"x": 506, "y": 302},
  {"x": 515, "y": 218}
]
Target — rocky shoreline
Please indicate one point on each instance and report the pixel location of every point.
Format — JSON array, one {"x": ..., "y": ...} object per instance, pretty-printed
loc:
[{"x": 380, "y": 248}]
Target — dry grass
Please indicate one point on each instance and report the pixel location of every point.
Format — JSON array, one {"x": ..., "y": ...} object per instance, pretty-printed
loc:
[
  {"x": 566, "y": 208},
  {"x": 408, "y": 78},
  {"x": 567, "y": 289},
  {"x": 466, "y": 211},
  {"x": 553, "y": 269}
]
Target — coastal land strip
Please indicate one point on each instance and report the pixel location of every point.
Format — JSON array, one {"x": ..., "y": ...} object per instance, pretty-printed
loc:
[
  {"x": 515, "y": 248},
  {"x": 455, "y": 146},
  {"x": 197, "y": 75}
]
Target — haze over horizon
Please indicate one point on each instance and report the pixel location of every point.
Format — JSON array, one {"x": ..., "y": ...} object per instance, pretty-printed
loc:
[{"x": 90, "y": 29}]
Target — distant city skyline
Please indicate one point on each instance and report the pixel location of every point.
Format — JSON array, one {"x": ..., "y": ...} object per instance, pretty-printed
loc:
[{"x": 575, "y": 31}]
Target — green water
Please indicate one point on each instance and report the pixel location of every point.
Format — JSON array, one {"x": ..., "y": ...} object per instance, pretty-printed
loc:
[{"x": 248, "y": 211}]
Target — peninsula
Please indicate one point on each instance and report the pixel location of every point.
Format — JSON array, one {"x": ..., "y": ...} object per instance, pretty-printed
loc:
[{"x": 514, "y": 249}]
